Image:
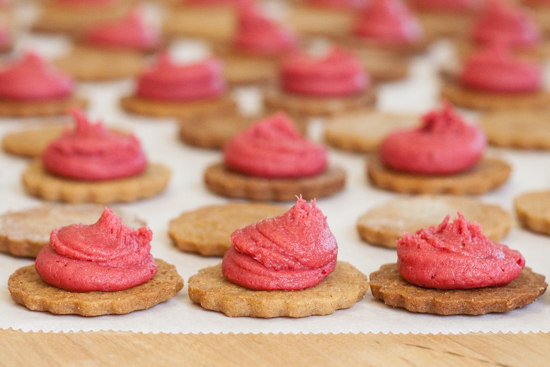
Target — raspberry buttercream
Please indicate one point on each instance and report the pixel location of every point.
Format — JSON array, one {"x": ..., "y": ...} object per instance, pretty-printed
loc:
[
  {"x": 105, "y": 256},
  {"x": 443, "y": 144},
  {"x": 33, "y": 79},
  {"x": 91, "y": 152},
  {"x": 272, "y": 148},
  {"x": 130, "y": 33},
  {"x": 456, "y": 255},
  {"x": 338, "y": 73},
  {"x": 495, "y": 69},
  {"x": 293, "y": 251},
  {"x": 167, "y": 81},
  {"x": 507, "y": 23},
  {"x": 388, "y": 22}
]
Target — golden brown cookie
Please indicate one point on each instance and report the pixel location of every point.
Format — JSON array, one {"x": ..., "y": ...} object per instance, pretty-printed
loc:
[
  {"x": 487, "y": 175},
  {"x": 207, "y": 230},
  {"x": 31, "y": 142},
  {"x": 28, "y": 289},
  {"x": 465, "y": 48},
  {"x": 387, "y": 285},
  {"x": 384, "y": 224},
  {"x": 344, "y": 287},
  {"x": 227, "y": 183},
  {"x": 524, "y": 129},
  {"x": 24, "y": 233},
  {"x": 95, "y": 64},
  {"x": 243, "y": 69},
  {"x": 317, "y": 106},
  {"x": 364, "y": 130},
  {"x": 43, "y": 184},
  {"x": 383, "y": 66},
  {"x": 315, "y": 21},
  {"x": 10, "y": 108},
  {"x": 533, "y": 211},
  {"x": 184, "y": 110}
]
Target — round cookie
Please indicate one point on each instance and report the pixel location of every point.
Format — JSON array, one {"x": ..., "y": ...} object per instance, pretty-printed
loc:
[
  {"x": 533, "y": 211},
  {"x": 382, "y": 65},
  {"x": 31, "y": 142},
  {"x": 227, "y": 183},
  {"x": 387, "y": 285},
  {"x": 524, "y": 129},
  {"x": 40, "y": 108},
  {"x": 384, "y": 224},
  {"x": 24, "y": 233},
  {"x": 344, "y": 287},
  {"x": 207, "y": 230},
  {"x": 28, "y": 289},
  {"x": 363, "y": 131},
  {"x": 39, "y": 182},
  {"x": 487, "y": 175}
]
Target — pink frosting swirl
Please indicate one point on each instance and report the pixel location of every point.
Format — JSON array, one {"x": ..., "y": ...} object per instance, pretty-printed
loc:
[
  {"x": 32, "y": 79},
  {"x": 443, "y": 144},
  {"x": 446, "y": 5},
  {"x": 456, "y": 256},
  {"x": 388, "y": 22},
  {"x": 292, "y": 251},
  {"x": 505, "y": 22},
  {"x": 339, "y": 4},
  {"x": 272, "y": 148},
  {"x": 168, "y": 81},
  {"x": 92, "y": 152},
  {"x": 128, "y": 33},
  {"x": 105, "y": 256},
  {"x": 494, "y": 69},
  {"x": 257, "y": 34},
  {"x": 339, "y": 73}
]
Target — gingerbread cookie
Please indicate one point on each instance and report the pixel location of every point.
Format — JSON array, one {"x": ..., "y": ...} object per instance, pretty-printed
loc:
[
  {"x": 532, "y": 209},
  {"x": 224, "y": 182},
  {"x": 207, "y": 230},
  {"x": 41, "y": 183},
  {"x": 344, "y": 287},
  {"x": 384, "y": 224},
  {"x": 31, "y": 142},
  {"x": 363, "y": 131},
  {"x": 387, "y": 285},
  {"x": 28, "y": 289},
  {"x": 487, "y": 175},
  {"x": 523, "y": 129},
  {"x": 24, "y": 233}
]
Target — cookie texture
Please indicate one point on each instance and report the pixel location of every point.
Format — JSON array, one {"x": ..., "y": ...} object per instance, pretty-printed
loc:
[
  {"x": 39, "y": 182},
  {"x": 363, "y": 131},
  {"x": 31, "y": 142},
  {"x": 27, "y": 288},
  {"x": 40, "y": 108},
  {"x": 523, "y": 129},
  {"x": 384, "y": 224},
  {"x": 344, "y": 287},
  {"x": 533, "y": 211},
  {"x": 487, "y": 175},
  {"x": 227, "y": 183},
  {"x": 207, "y": 230},
  {"x": 387, "y": 285},
  {"x": 212, "y": 23},
  {"x": 24, "y": 233}
]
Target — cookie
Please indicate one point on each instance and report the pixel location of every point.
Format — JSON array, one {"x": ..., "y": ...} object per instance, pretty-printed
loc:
[
  {"x": 383, "y": 66},
  {"x": 344, "y": 287},
  {"x": 487, "y": 175},
  {"x": 387, "y": 285},
  {"x": 227, "y": 183},
  {"x": 242, "y": 69},
  {"x": 214, "y": 23},
  {"x": 533, "y": 211},
  {"x": 363, "y": 131},
  {"x": 207, "y": 230},
  {"x": 11, "y": 108},
  {"x": 384, "y": 224},
  {"x": 315, "y": 21},
  {"x": 524, "y": 129},
  {"x": 39, "y": 182},
  {"x": 441, "y": 24},
  {"x": 296, "y": 104},
  {"x": 31, "y": 142},
  {"x": 24, "y": 233},
  {"x": 28, "y": 289}
]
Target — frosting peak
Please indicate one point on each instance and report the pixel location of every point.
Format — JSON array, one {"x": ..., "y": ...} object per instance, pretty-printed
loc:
[
  {"x": 32, "y": 78},
  {"x": 292, "y": 251},
  {"x": 456, "y": 255},
  {"x": 272, "y": 148},
  {"x": 338, "y": 73},
  {"x": 165, "y": 80}
]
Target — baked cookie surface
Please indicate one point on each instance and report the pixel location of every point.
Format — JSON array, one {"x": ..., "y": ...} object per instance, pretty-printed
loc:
[
  {"x": 524, "y": 129},
  {"x": 31, "y": 142},
  {"x": 28, "y": 289},
  {"x": 344, "y": 287},
  {"x": 533, "y": 211},
  {"x": 387, "y": 285},
  {"x": 46, "y": 108}
]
